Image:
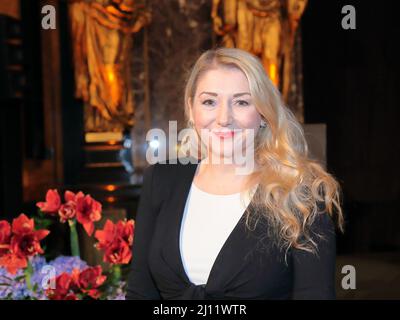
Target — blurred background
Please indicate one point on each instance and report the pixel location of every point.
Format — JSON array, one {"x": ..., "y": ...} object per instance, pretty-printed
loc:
[{"x": 79, "y": 91}]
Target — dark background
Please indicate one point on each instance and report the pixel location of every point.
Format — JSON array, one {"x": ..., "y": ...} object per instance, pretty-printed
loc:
[{"x": 351, "y": 83}]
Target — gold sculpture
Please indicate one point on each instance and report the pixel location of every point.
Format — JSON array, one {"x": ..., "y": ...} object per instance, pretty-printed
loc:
[
  {"x": 265, "y": 28},
  {"x": 102, "y": 44}
]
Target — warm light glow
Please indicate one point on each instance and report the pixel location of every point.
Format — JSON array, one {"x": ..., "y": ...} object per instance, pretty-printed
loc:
[
  {"x": 273, "y": 74},
  {"x": 113, "y": 83},
  {"x": 111, "y": 187},
  {"x": 91, "y": 137},
  {"x": 112, "y": 142},
  {"x": 110, "y": 75},
  {"x": 110, "y": 199}
]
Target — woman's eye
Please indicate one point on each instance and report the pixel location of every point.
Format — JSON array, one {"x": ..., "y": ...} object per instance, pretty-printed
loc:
[
  {"x": 208, "y": 102},
  {"x": 242, "y": 103}
]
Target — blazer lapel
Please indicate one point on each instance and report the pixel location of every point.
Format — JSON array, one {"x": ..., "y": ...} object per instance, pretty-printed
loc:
[
  {"x": 183, "y": 175},
  {"x": 233, "y": 254}
]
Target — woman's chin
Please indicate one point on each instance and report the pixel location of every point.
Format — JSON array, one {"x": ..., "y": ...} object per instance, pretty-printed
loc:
[{"x": 223, "y": 155}]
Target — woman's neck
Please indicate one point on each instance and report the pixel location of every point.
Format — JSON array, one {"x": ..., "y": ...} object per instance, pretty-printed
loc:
[{"x": 222, "y": 177}]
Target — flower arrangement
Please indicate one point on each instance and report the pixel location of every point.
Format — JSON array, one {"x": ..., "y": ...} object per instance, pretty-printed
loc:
[{"x": 24, "y": 272}]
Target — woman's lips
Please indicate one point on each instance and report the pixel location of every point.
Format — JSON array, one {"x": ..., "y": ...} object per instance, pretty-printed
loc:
[{"x": 225, "y": 134}]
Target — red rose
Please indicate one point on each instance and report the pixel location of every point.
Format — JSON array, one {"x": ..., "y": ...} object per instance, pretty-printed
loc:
[
  {"x": 52, "y": 204},
  {"x": 67, "y": 211},
  {"x": 89, "y": 280},
  {"x": 88, "y": 211}
]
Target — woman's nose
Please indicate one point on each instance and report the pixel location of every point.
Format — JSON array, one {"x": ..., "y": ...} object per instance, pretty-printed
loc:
[{"x": 224, "y": 116}]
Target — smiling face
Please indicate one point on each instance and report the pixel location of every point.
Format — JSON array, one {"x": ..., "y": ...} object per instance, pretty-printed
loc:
[{"x": 223, "y": 111}]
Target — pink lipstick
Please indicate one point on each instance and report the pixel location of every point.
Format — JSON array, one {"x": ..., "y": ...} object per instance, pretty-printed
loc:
[{"x": 224, "y": 134}]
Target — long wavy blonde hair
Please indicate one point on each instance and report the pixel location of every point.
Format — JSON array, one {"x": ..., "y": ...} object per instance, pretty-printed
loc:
[{"x": 293, "y": 188}]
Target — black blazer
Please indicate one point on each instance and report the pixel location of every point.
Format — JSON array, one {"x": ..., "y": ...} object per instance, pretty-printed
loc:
[{"x": 247, "y": 267}]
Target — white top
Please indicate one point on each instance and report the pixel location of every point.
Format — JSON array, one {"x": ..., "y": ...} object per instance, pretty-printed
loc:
[{"x": 207, "y": 222}]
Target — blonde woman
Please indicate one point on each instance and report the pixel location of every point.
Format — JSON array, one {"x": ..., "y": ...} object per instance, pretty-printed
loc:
[{"x": 205, "y": 230}]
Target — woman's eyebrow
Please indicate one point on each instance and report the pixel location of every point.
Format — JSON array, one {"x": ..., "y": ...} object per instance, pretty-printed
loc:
[
  {"x": 241, "y": 94},
  {"x": 210, "y": 93},
  {"x": 216, "y": 94}
]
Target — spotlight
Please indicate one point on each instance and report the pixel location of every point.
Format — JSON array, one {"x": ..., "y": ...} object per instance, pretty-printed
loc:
[{"x": 154, "y": 144}]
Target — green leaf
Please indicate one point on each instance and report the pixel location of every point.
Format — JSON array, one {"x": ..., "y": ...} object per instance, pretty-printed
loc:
[{"x": 19, "y": 278}]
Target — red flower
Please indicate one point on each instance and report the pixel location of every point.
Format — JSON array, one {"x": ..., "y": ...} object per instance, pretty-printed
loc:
[
  {"x": 26, "y": 240},
  {"x": 89, "y": 280},
  {"x": 106, "y": 236},
  {"x": 70, "y": 196},
  {"x": 21, "y": 243},
  {"x": 63, "y": 290},
  {"x": 26, "y": 245},
  {"x": 68, "y": 286},
  {"x": 88, "y": 211},
  {"x": 116, "y": 240},
  {"x": 118, "y": 253},
  {"x": 5, "y": 237},
  {"x": 67, "y": 211},
  {"x": 125, "y": 230},
  {"x": 13, "y": 263},
  {"x": 52, "y": 204}
]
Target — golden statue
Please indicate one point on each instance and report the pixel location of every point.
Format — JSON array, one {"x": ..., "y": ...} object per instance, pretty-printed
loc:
[
  {"x": 102, "y": 44},
  {"x": 265, "y": 28}
]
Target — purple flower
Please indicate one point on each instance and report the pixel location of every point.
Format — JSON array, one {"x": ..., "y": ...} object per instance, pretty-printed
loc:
[
  {"x": 67, "y": 264},
  {"x": 117, "y": 293},
  {"x": 14, "y": 286},
  {"x": 59, "y": 265}
]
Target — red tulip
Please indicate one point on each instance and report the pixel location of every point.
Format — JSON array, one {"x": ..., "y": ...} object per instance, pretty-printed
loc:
[
  {"x": 88, "y": 211},
  {"x": 53, "y": 202}
]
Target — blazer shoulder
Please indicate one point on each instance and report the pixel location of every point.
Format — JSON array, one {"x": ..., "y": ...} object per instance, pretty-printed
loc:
[{"x": 165, "y": 172}]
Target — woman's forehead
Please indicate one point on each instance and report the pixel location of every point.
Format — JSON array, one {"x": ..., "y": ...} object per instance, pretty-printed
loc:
[{"x": 223, "y": 81}]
